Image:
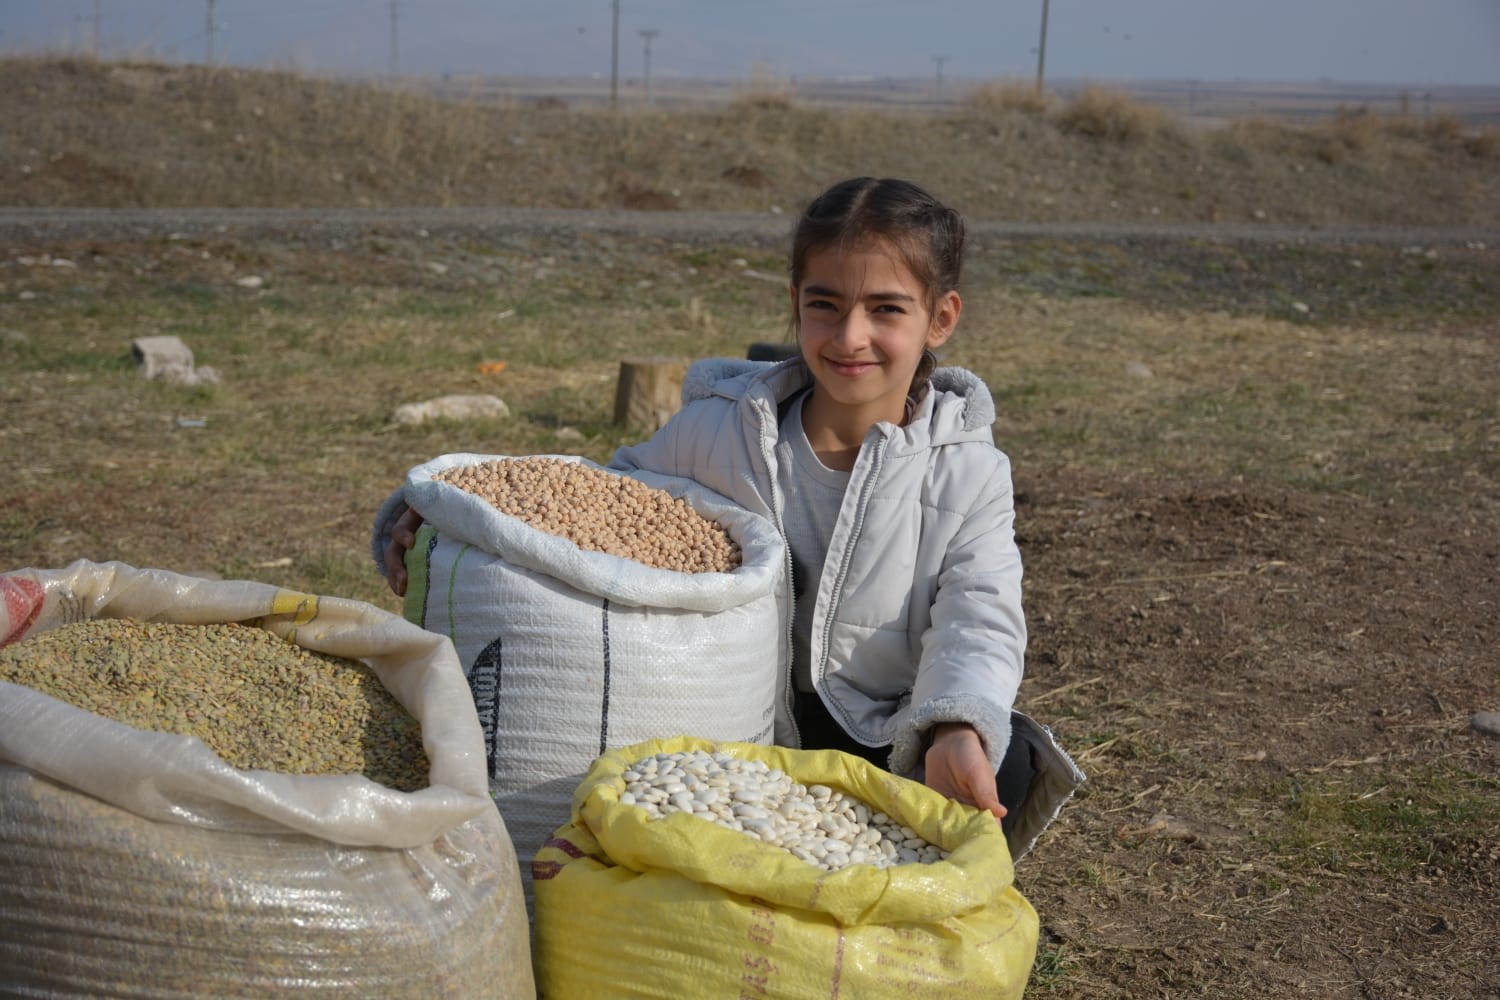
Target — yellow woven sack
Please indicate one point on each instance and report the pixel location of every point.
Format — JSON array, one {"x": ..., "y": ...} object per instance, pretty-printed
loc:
[{"x": 681, "y": 907}]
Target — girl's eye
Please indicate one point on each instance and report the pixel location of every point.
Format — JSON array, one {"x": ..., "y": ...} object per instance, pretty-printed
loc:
[
  {"x": 817, "y": 304},
  {"x": 890, "y": 307}
]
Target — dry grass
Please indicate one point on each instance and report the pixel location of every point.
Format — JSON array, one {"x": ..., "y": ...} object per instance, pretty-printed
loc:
[
  {"x": 1100, "y": 113},
  {"x": 1007, "y": 96},
  {"x": 99, "y": 134}
]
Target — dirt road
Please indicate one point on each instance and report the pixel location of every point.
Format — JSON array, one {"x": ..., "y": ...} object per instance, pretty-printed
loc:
[{"x": 18, "y": 225}]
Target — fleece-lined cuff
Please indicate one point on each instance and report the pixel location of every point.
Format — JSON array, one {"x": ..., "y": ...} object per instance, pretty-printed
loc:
[
  {"x": 989, "y": 720},
  {"x": 385, "y": 519}
]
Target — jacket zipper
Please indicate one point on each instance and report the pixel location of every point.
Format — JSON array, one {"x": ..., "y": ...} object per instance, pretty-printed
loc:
[
  {"x": 789, "y": 700},
  {"x": 848, "y": 555}
]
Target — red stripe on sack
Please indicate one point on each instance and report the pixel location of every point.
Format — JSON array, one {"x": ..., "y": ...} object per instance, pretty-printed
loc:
[
  {"x": 23, "y": 602},
  {"x": 566, "y": 846},
  {"x": 541, "y": 871}
]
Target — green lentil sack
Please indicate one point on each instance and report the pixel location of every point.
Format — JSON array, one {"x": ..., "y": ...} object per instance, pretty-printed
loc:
[
  {"x": 571, "y": 649},
  {"x": 138, "y": 863}
]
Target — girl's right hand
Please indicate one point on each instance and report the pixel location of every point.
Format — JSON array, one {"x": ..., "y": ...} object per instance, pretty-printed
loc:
[
  {"x": 957, "y": 766},
  {"x": 403, "y": 537}
]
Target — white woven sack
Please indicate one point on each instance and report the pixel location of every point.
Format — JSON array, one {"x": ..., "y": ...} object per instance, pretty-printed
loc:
[
  {"x": 140, "y": 864},
  {"x": 571, "y": 653}
]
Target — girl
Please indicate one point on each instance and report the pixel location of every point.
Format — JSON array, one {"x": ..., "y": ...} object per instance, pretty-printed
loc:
[{"x": 881, "y": 471}]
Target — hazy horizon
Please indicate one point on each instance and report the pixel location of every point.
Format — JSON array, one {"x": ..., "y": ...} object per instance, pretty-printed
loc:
[{"x": 1436, "y": 43}]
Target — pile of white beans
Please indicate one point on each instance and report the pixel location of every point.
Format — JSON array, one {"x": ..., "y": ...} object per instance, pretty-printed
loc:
[{"x": 817, "y": 824}]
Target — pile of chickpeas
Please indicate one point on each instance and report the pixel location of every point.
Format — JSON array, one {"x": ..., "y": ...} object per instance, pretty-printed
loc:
[
  {"x": 600, "y": 511},
  {"x": 820, "y": 825}
]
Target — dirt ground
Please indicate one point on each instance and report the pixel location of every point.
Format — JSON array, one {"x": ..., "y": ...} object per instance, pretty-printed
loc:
[
  {"x": 1270, "y": 688},
  {"x": 1228, "y": 647}
]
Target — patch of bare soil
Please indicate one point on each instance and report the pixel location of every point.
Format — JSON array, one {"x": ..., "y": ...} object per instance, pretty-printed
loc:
[{"x": 1238, "y": 663}]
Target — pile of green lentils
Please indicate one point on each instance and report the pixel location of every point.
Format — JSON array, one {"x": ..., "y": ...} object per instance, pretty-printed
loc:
[{"x": 258, "y": 701}]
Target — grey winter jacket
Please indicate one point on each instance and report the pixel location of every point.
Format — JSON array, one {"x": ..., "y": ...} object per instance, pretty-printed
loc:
[{"x": 918, "y": 617}]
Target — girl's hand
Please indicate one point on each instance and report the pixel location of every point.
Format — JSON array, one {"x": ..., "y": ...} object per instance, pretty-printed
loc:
[
  {"x": 403, "y": 537},
  {"x": 957, "y": 767}
]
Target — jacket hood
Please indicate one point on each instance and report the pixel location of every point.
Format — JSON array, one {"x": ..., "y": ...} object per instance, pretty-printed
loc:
[{"x": 972, "y": 410}]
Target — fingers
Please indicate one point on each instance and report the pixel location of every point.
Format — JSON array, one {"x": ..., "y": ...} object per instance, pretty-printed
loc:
[
  {"x": 958, "y": 768},
  {"x": 403, "y": 537},
  {"x": 395, "y": 568}
]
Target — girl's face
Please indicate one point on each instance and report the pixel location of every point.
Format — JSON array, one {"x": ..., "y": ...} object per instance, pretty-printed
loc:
[{"x": 863, "y": 324}]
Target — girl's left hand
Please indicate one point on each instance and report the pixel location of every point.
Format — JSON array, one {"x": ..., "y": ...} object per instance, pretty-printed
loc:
[{"x": 957, "y": 767}]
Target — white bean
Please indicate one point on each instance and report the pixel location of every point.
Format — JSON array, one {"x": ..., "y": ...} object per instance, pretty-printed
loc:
[{"x": 817, "y": 824}]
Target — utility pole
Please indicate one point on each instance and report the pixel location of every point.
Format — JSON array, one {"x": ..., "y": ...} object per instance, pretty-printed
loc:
[
  {"x": 940, "y": 60},
  {"x": 210, "y": 27},
  {"x": 614, "y": 58},
  {"x": 1041, "y": 49},
  {"x": 648, "y": 34},
  {"x": 395, "y": 63}
]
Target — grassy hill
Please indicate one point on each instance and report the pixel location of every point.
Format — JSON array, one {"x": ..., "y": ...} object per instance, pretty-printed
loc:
[{"x": 85, "y": 133}]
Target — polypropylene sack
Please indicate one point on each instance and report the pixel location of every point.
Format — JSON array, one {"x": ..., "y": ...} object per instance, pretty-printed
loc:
[
  {"x": 680, "y": 907},
  {"x": 140, "y": 864},
  {"x": 570, "y": 652}
]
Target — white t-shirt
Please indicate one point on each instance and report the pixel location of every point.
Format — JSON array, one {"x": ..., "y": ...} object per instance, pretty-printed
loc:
[{"x": 813, "y": 495}]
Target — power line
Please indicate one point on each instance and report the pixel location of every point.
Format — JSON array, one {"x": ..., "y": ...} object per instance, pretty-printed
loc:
[
  {"x": 1041, "y": 49},
  {"x": 614, "y": 57},
  {"x": 648, "y": 34},
  {"x": 209, "y": 29},
  {"x": 395, "y": 63}
]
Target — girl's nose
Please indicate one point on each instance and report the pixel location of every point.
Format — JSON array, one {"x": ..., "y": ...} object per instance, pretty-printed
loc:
[{"x": 853, "y": 332}]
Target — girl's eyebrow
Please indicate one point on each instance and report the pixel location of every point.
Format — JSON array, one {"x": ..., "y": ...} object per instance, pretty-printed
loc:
[{"x": 831, "y": 293}]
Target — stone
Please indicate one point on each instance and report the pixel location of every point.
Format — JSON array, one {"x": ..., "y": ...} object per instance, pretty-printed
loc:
[
  {"x": 1486, "y": 723},
  {"x": 157, "y": 355},
  {"x": 458, "y": 407}
]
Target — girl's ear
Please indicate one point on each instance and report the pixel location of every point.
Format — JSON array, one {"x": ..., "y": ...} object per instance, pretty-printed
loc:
[{"x": 944, "y": 319}]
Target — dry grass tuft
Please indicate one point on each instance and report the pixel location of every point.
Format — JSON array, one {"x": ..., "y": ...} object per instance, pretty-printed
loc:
[
  {"x": 1007, "y": 97},
  {"x": 761, "y": 100},
  {"x": 1100, "y": 113},
  {"x": 1484, "y": 144}
]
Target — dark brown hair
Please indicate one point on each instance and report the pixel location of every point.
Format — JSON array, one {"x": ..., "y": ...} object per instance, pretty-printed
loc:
[{"x": 927, "y": 234}]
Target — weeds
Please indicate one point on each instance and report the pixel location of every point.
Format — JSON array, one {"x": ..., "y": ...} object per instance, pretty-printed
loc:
[{"x": 1110, "y": 115}]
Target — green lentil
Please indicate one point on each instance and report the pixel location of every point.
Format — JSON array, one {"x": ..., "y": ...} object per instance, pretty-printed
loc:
[{"x": 258, "y": 701}]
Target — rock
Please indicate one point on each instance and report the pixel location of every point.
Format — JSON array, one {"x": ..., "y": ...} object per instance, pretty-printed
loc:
[
  {"x": 170, "y": 360},
  {"x": 251, "y": 281},
  {"x": 158, "y": 354},
  {"x": 1137, "y": 370},
  {"x": 1486, "y": 723},
  {"x": 14, "y": 337},
  {"x": 452, "y": 408}
]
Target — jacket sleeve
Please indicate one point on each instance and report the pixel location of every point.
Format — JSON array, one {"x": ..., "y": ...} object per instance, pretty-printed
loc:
[
  {"x": 658, "y": 453},
  {"x": 973, "y": 652}
]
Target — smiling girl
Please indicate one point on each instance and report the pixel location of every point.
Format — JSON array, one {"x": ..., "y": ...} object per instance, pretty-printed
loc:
[{"x": 903, "y": 590}]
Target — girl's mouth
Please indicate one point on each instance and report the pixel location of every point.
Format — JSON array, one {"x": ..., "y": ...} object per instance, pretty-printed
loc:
[{"x": 850, "y": 367}]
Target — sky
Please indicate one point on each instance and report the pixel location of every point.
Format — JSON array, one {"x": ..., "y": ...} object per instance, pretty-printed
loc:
[{"x": 1440, "y": 42}]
